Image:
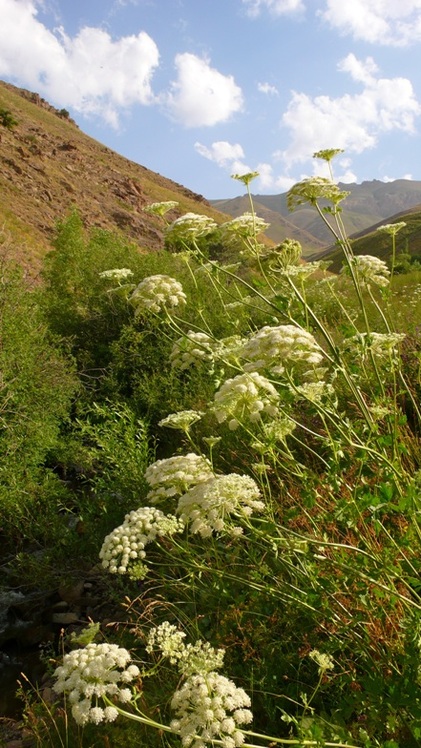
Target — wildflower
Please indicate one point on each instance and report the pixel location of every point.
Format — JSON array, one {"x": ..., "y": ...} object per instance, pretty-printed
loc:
[
  {"x": 245, "y": 397},
  {"x": 181, "y": 420},
  {"x": 245, "y": 178},
  {"x": 288, "y": 252},
  {"x": 125, "y": 545},
  {"x": 168, "y": 640},
  {"x": 327, "y": 154},
  {"x": 117, "y": 274},
  {"x": 391, "y": 228},
  {"x": 272, "y": 348},
  {"x": 312, "y": 391},
  {"x": 243, "y": 227},
  {"x": 192, "y": 349},
  {"x": 301, "y": 272},
  {"x": 158, "y": 292},
  {"x": 371, "y": 270},
  {"x": 92, "y": 673},
  {"x": 322, "y": 660},
  {"x": 159, "y": 209},
  {"x": 210, "y": 707},
  {"x": 380, "y": 345},
  {"x": 209, "y": 505},
  {"x": 189, "y": 227},
  {"x": 313, "y": 189},
  {"x": 175, "y": 475},
  {"x": 200, "y": 657}
]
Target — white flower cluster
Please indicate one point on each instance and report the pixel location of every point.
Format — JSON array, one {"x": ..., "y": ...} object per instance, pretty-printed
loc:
[
  {"x": 192, "y": 349},
  {"x": 91, "y": 673},
  {"x": 125, "y": 545},
  {"x": 158, "y": 292},
  {"x": 159, "y": 209},
  {"x": 189, "y": 227},
  {"x": 117, "y": 274},
  {"x": 245, "y": 397},
  {"x": 174, "y": 476},
  {"x": 200, "y": 657},
  {"x": 322, "y": 660},
  {"x": 209, "y": 506},
  {"x": 242, "y": 227},
  {"x": 182, "y": 420},
  {"x": 380, "y": 345},
  {"x": 210, "y": 707},
  {"x": 272, "y": 348},
  {"x": 371, "y": 270},
  {"x": 168, "y": 639}
]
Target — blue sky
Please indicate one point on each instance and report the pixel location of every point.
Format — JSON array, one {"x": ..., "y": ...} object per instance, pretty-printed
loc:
[{"x": 200, "y": 89}]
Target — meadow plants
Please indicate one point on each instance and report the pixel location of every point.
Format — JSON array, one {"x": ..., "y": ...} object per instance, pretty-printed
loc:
[{"x": 290, "y": 536}]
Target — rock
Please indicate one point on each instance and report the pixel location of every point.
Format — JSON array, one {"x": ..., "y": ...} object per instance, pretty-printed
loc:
[{"x": 65, "y": 619}]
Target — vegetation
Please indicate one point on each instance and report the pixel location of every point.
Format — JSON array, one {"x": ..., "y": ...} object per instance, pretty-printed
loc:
[
  {"x": 7, "y": 119},
  {"x": 243, "y": 449}
]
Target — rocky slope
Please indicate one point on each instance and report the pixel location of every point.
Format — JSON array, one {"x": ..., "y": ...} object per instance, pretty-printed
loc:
[{"x": 49, "y": 166}]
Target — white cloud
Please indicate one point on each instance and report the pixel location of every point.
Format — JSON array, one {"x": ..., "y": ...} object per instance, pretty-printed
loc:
[
  {"x": 90, "y": 72},
  {"x": 266, "y": 88},
  {"x": 275, "y": 7},
  {"x": 393, "y": 179},
  {"x": 353, "y": 122},
  {"x": 201, "y": 96},
  {"x": 268, "y": 182},
  {"x": 221, "y": 152},
  {"x": 389, "y": 22},
  {"x": 226, "y": 155}
]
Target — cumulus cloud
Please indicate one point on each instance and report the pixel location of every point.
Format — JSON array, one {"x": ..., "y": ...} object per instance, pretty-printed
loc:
[
  {"x": 275, "y": 7},
  {"x": 228, "y": 156},
  {"x": 201, "y": 96},
  {"x": 353, "y": 122},
  {"x": 266, "y": 88},
  {"x": 90, "y": 72},
  {"x": 389, "y": 22}
]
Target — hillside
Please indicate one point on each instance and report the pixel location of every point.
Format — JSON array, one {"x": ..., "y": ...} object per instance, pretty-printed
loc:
[
  {"x": 368, "y": 204},
  {"x": 49, "y": 166},
  {"x": 373, "y": 242}
]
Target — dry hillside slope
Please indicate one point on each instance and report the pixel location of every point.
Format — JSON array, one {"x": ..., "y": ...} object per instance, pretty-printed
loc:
[{"x": 49, "y": 166}]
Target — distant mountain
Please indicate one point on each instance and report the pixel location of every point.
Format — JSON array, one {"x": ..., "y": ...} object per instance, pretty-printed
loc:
[
  {"x": 378, "y": 243},
  {"x": 368, "y": 204},
  {"x": 49, "y": 166}
]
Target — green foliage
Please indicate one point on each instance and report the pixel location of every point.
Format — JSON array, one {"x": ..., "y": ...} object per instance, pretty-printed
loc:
[
  {"x": 314, "y": 593},
  {"x": 7, "y": 119},
  {"x": 37, "y": 384}
]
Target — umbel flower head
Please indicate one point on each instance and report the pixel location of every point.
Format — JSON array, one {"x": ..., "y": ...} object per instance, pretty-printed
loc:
[
  {"x": 210, "y": 707},
  {"x": 125, "y": 546},
  {"x": 89, "y": 674},
  {"x": 391, "y": 228},
  {"x": 159, "y": 209},
  {"x": 117, "y": 274},
  {"x": 209, "y": 506},
  {"x": 200, "y": 657},
  {"x": 174, "y": 476},
  {"x": 191, "y": 350},
  {"x": 243, "y": 227},
  {"x": 181, "y": 420},
  {"x": 312, "y": 190},
  {"x": 278, "y": 348},
  {"x": 246, "y": 397},
  {"x": 188, "y": 228},
  {"x": 380, "y": 345},
  {"x": 370, "y": 270},
  {"x": 158, "y": 292}
]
